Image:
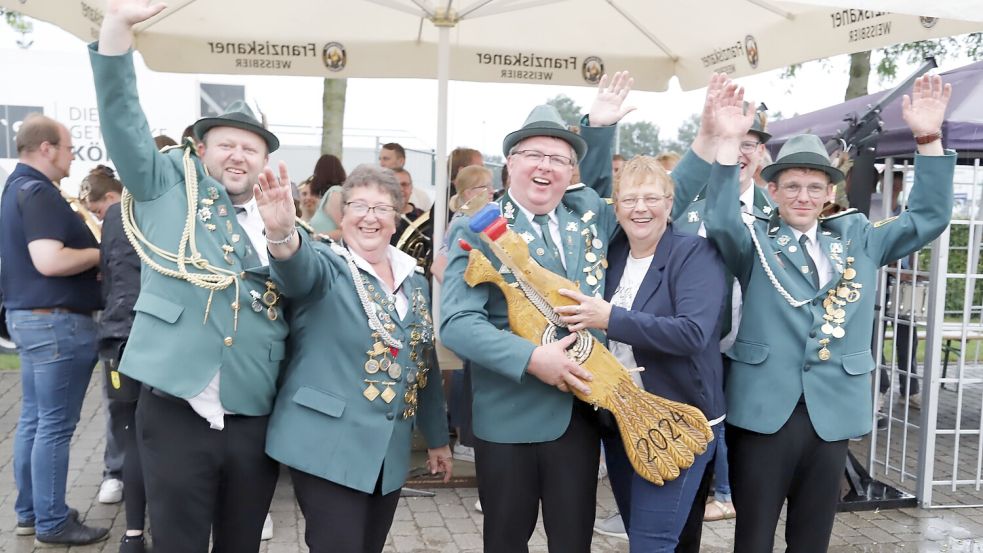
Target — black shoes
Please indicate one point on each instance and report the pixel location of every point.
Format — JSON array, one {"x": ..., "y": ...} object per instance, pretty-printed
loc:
[
  {"x": 73, "y": 533},
  {"x": 27, "y": 528},
  {"x": 132, "y": 544}
]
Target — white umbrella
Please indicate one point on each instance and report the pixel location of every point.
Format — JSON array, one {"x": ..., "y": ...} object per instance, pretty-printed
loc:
[
  {"x": 966, "y": 10},
  {"x": 566, "y": 42}
]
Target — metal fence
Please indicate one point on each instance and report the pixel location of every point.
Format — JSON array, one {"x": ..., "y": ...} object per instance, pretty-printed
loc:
[{"x": 928, "y": 388}]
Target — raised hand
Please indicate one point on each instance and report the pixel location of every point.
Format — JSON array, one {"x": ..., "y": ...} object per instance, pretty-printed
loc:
[
  {"x": 116, "y": 33},
  {"x": 705, "y": 143},
  {"x": 608, "y": 107},
  {"x": 132, "y": 12},
  {"x": 718, "y": 82},
  {"x": 732, "y": 116},
  {"x": 924, "y": 110},
  {"x": 275, "y": 202}
]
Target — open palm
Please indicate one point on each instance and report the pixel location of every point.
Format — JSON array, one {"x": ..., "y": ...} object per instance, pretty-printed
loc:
[
  {"x": 732, "y": 116},
  {"x": 275, "y": 202},
  {"x": 924, "y": 110},
  {"x": 134, "y": 11}
]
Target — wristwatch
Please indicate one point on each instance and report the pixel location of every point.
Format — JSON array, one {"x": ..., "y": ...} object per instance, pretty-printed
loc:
[{"x": 928, "y": 138}]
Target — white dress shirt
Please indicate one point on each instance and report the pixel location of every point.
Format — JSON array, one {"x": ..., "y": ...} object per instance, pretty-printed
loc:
[
  {"x": 813, "y": 249},
  {"x": 208, "y": 404}
]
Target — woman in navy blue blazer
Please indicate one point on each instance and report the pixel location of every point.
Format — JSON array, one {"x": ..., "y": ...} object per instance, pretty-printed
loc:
[{"x": 661, "y": 307}]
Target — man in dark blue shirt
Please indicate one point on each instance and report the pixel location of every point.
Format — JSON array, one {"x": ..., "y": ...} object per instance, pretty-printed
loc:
[{"x": 49, "y": 260}]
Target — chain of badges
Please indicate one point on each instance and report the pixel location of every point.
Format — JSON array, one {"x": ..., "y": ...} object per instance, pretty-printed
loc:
[
  {"x": 382, "y": 358},
  {"x": 846, "y": 291},
  {"x": 595, "y": 262},
  {"x": 382, "y": 363},
  {"x": 421, "y": 352}
]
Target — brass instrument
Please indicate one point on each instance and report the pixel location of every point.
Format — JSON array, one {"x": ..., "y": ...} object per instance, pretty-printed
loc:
[
  {"x": 78, "y": 206},
  {"x": 660, "y": 436}
]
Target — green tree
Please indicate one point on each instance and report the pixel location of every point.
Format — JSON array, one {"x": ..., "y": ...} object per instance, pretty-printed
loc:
[
  {"x": 684, "y": 136},
  {"x": 20, "y": 24},
  {"x": 970, "y": 45},
  {"x": 638, "y": 138},
  {"x": 569, "y": 110}
]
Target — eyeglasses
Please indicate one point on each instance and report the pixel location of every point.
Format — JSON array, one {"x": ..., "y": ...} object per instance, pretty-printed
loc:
[
  {"x": 536, "y": 157},
  {"x": 749, "y": 146},
  {"x": 793, "y": 190},
  {"x": 649, "y": 201},
  {"x": 361, "y": 208}
]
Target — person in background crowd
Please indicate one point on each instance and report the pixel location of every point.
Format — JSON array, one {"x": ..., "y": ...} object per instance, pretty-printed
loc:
[
  {"x": 120, "y": 267},
  {"x": 392, "y": 156},
  {"x": 617, "y": 162},
  {"x": 50, "y": 266},
  {"x": 668, "y": 160},
  {"x": 307, "y": 202},
  {"x": 325, "y": 183},
  {"x": 460, "y": 158}
]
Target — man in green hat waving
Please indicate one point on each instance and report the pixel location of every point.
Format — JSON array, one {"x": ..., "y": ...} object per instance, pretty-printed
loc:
[
  {"x": 209, "y": 332},
  {"x": 799, "y": 385}
]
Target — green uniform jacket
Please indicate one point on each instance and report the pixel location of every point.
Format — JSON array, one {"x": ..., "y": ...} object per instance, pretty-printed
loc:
[
  {"x": 511, "y": 406},
  {"x": 172, "y": 345},
  {"x": 321, "y": 423},
  {"x": 776, "y": 359},
  {"x": 687, "y": 217}
]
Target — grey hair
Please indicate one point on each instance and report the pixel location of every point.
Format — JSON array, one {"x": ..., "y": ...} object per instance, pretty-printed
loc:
[
  {"x": 372, "y": 175},
  {"x": 573, "y": 152}
]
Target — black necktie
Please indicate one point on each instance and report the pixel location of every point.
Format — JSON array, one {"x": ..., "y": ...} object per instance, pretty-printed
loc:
[
  {"x": 239, "y": 209},
  {"x": 804, "y": 241}
]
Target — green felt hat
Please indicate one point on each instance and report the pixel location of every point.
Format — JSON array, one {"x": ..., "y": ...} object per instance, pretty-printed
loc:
[
  {"x": 760, "y": 124},
  {"x": 802, "y": 151},
  {"x": 237, "y": 115},
  {"x": 544, "y": 120}
]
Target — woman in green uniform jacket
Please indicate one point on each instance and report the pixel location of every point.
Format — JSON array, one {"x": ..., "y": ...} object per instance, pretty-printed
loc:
[{"x": 357, "y": 381}]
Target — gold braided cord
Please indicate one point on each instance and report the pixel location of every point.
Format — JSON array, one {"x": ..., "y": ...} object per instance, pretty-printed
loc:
[{"x": 215, "y": 279}]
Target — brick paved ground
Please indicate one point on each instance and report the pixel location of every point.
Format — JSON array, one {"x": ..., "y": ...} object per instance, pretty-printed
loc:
[{"x": 448, "y": 522}]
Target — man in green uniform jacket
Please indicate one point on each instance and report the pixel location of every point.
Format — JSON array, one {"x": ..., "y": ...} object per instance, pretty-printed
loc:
[
  {"x": 799, "y": 385},
  {"x": 209, "y": 333}
]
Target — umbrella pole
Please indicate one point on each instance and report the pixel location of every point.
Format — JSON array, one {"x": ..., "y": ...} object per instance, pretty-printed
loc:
[{"x": 440, "y": 183}]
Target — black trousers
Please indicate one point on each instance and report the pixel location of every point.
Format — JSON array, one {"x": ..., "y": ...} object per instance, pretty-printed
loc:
[
  {"x": 343, "y": 520},
  {"x": 122, "y": 421},
  {"x": 794, "y": 464},
  {"x": 202, "y": 481},
  {"x": 514, "y": 478}
]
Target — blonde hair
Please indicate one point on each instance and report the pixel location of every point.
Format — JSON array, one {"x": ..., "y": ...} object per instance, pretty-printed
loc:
[
  {"x": 467, "y": 178},
  {"x": 641, "y": 170},
  {"x": 471, "y": 176}
]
